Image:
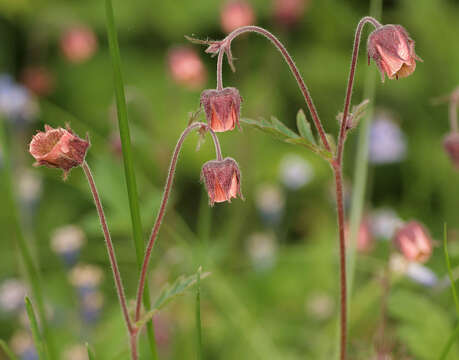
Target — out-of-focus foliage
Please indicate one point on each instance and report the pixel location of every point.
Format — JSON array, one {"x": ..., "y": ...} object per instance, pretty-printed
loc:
[{"x": 273, "y": 258}]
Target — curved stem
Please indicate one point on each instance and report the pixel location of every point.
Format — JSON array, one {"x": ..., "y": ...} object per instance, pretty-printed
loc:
[
  {"x": 162, "y": 209},
  {"x": 112, "y": 257},
  {"x": 453, "y": 111},
  {"x": 293, "y": 68},
  {"x": 219, "y": 70},
  {"x": 342, "y": 254},
  {"x": 350, "y": 83}
]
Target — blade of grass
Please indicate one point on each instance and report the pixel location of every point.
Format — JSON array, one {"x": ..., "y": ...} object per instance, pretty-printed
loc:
[
  {"x": 455, "y": 334},
  {"x": 29, "y": 264},
  {"x": 91, "y": 355},
  {"x": 128, "y": 159},
  {"x": 198, "y": 314},
  {"x": 6, "y": 349},
  {"x": 37, "y": 338}
]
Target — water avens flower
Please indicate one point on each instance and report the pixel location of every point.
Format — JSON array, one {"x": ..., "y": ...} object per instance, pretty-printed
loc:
[
  {"x": 58, "y": 148},
  {"x": 451, "y": 146},
  {"x": 392, "y": 49},
  {"x": 222, "y": 108},
  {"x": 414, "y": 242},
  {"x": 222, "y": 180}
]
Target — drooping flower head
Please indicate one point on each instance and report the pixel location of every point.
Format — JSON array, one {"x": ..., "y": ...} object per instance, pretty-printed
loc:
[
  {"x": 414, "y": 242},
  {"x": 392, "y": 49},
  {"x": 58, "y": 148},
  {"x": 222, "y": 108},
  {"x": 222, "y": 180},
  {"x": 451, "y": 145}
]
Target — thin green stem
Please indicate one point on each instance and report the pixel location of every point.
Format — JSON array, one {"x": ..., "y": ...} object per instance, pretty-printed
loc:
[
  {"x": 449, "y": 343},
  {"x": 128, "y": 158},
  {"x": 198, "y": 315},
  {"x": 361, "y": 161},
  {"x": 9, "y": 202},
  {"x": 37, "y": 338}
]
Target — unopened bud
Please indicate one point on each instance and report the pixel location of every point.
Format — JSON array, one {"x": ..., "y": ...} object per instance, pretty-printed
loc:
[
  {"x": 222, "y": 108},
  {"x": 222, "y": 179}
]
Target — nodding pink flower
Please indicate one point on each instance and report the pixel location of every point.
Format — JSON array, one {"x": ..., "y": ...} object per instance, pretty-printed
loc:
[
  {"x": 38, "y": 79},
  {"x": 451, "y": 145},
  {"x": 289, "y": 12},
  {"x": 222, "y": 108},
  {"x": 236, "y": 13},
  {"x": 58, "y": 148},
  {"x": 392, "y": 49},
  {"x": 222, "y": 179},
  {"x": 186, "y": 67},
  {"x": 414, "y": 242},
  {"x": 78, "y": 44}
]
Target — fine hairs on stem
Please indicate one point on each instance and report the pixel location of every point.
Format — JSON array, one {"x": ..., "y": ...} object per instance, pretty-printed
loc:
[
  {"x": 162, "y": 209},
  {"x": 337, "y": 161}
]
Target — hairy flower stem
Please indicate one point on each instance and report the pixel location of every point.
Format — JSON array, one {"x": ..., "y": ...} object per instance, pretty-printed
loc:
[
  {"x": 114, "y": 264},
  {"x": 162, "y": 209},
  {"x": 296, "y": 73},
  {"x": 337, "y": 169}
]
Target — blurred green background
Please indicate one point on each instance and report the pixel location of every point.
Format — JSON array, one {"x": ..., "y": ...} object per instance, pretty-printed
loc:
[{"x": 273, "y": 289}]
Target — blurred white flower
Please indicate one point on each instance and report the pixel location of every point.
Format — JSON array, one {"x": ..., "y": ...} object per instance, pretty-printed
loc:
[
  {"x": 16, "y": 102},
  {"x": 384, "y": 222},
  {"x": 67, "y": 241},
  {"x": 76, "y": 352},
  {"x": 12, "y": 293},
  {"x": 22, "y": 344},
  {"x": 262, "y": 249},
  {"x": 91, "y": 305},
  {"x": 319, "y": 305},
  {"x": 387, "y": 141},
  {"x": 270, "y": 202},
  {"x": 86, "y": 277},
  {"x": 295, "y": 172},
  {"x": 30, "y": 187}
]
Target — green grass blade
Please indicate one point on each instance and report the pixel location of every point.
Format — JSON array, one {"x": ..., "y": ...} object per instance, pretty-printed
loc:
[
  {"x": 455, "y": 333},
  {"x": 128, "y": 158},
  {"x": 198, "y": 315},
  {"x": 6, "y": 349},
  {"x": 91, "y": 355},
  {"x": 24, "y": 250},
  {"x": 37, "y": 338}
]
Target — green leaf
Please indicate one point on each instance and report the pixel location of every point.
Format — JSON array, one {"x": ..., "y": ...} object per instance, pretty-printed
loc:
[
  {"x": 91, "y": 355},
  {"x": 37, "y": 338},
  {"x": 6, "y": 349},
  {"x": 169, "y": 292},
  {"x": 279, "y": 125},
  {"x": 304, "y": 127}
]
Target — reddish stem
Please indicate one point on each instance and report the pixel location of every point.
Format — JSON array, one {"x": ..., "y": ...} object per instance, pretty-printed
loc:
[
  {"x": 113, "y": 262},
  {"x": 296, "y": 73},
  {"x": 350, "y": 84},
  {"x": 162, "y": 209}
]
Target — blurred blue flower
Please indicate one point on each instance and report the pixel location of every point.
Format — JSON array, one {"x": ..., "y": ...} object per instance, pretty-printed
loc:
[
  {"x": 67, "y": 241},
  {"x": 91, "y": 305},
  {"x": 22, "y": 344},
  {"x": 270, "y": 202},
  {"x": 384, "y": 222},
  {"x": 16, "y": 102},
  {"x": 262, "y": 249},
  {"x": 86, "y": 278},
  {"x": 12, "y": 293},
  {"x": 421, "y": 274},
  {"x": 387, "y": 141}
]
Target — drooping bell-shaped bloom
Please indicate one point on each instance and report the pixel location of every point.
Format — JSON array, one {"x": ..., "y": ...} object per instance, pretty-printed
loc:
[
  {"x": 392, "y": 49},
  {"x": 414, "y": 242},
  {"x": 222, "y": 108},
  {"x": 58, "y": 148},
  {"x": 451, "y": 145},
  {"x": 222, "y": 179}
]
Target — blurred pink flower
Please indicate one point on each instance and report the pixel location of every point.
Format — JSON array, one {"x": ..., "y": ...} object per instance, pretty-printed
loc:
[
  {"x": 236, "y": 13},
  {"x": 289, "y": 12},
  {"x": 38, "y": 79},
  {"x": 414, "y": 242},
  {"x": 186, "y": 67},
  {"x": 78, "y": 44}
]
